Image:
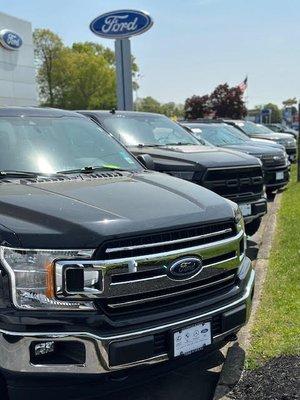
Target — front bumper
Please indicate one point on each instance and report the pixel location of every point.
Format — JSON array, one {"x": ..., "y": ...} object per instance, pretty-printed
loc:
[
  {"x": 100, "y": 350},
  {"x": 258, "y": 209},
  {"x": 277, "y": 178}
]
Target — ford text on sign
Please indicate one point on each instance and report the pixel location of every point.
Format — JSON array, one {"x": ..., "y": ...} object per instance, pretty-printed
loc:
[
  {"x": 10, "y": 40},
  {"x": 121, "y": 24}
]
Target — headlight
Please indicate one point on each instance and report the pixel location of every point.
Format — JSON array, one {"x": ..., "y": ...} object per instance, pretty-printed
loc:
[
  {"x": 240, "y": 226},
  {"x": 238, "y": 218},
  {"x": 286, "y": 158},
  {"x": 260, "y": 156},
  {"x": 32, "y": 277}
]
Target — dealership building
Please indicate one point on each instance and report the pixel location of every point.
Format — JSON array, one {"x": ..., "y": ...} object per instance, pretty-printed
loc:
[{"x": 17, "y": 71}]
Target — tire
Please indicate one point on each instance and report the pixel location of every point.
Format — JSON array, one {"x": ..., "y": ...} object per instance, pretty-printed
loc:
[
  {"x": 253, "y": 226},
  {"x": 270, "y": 191},
  {"x": 3, "y": 389}
]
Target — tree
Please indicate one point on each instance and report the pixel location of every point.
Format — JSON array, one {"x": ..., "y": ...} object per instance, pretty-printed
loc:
[
  {"x": 227, "y": 102},
  {"x": 148, "y": 104},
  {"x": 48, "y": 47},
  {"x": 172, "y": 110},
  {"x": 275, "y": 112},
  {"x": 290, "y": 102},
  {"x": 86, "y": 81},
  {"x": 78, "y": 77},
  {"x": 197, "y": 107}
]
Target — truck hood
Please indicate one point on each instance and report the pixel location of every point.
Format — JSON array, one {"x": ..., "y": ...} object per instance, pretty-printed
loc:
[
  {"x": 275, "y": 136},
  {"x": 194, "y": 157},
  {"x": 253, "y": 149},
  {"x": 267, "y": 143},
  {"x": 82, "y": 212}
]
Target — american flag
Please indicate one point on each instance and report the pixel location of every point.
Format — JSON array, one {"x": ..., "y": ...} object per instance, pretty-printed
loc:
[{"x": 243, "y": 85}]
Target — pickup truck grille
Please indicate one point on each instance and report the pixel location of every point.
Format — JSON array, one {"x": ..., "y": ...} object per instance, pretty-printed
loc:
[
  {"x": 165, "y": 241},
  {"x": 234, "y": 182},
  {"x": 133, "y": 275},
  {"x": 186, "y": 293},
  {"x": 269, "y": 160}
]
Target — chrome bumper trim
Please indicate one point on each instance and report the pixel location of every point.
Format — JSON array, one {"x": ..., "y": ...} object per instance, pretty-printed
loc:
[{"x": 15, "y": 357}]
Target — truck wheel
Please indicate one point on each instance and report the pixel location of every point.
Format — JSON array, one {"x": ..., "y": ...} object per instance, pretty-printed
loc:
[
  {"x": 3, "y": 389},
  {"x": 270, "y": 191},
  {"x": 253, "y": 226}
]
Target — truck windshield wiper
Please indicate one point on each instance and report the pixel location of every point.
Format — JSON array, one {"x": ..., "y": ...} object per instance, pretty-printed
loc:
[
  {"x": 148, "y": 145},
  {"x": 91, "y": 169},
  {"x": 179, "y": 144}
]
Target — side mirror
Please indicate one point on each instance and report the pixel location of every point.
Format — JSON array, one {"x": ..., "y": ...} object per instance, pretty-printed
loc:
[{"x": 146, "y": 160}]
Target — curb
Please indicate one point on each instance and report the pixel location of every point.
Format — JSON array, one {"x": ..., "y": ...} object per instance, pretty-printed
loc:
[{"x": 233, "y": 366}]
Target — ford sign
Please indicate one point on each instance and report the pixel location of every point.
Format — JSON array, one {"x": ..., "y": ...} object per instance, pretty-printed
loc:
[
  {"x": 10, "y": 40},
  {"x": 121, "y": 24},
  {"x": 185, "y": 268}
]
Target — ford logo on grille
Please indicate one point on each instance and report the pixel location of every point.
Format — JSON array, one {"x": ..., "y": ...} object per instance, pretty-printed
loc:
[
  {"x": 10, "y": 40},
  {"x": 185, "y": 268},
  {"x": 121, "y": 24}
]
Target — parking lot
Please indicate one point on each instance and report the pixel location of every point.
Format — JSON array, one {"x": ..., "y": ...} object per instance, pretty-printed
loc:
[{"x": 149, "y": 200}]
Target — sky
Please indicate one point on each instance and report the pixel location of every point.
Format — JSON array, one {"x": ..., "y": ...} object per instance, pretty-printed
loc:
[{"x": 194, "y": 45}]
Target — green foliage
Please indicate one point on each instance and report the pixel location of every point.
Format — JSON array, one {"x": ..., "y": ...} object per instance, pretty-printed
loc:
[
  {"x": 277, "y": 327},
  {"x": 290, "y": 102},
  {"x": 48, "y": 47},
  {"x": 275, "y": 115},
  {"x": 78, "y": 77},
  {"x": 149, "y": 104}
]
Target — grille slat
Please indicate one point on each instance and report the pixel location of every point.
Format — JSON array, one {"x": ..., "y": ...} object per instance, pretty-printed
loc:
[
  {"x": 185, "y": 292},
  {"x": 166, "y": 241},
  {"x": 230, "y": 182}
]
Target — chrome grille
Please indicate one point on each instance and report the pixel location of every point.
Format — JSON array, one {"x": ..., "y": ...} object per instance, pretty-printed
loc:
[
  {"x": 142, "y": 281},
  {"x": 271, "y": 160},
  {"x": 165, "y": 241},
  {"x": 185, "y": 292}
]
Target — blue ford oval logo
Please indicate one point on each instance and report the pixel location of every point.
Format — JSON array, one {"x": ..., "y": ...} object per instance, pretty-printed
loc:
[
  {"x": 10, "y": 40},
  {"x": 185, "y": 268},
  {"x": 121, "y": 24}
]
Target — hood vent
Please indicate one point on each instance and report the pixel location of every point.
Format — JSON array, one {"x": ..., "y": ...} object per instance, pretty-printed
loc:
[{"x": 66, "y": 178}]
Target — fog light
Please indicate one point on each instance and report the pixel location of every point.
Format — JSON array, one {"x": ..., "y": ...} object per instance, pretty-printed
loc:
[{"x": 43, "y": 348}]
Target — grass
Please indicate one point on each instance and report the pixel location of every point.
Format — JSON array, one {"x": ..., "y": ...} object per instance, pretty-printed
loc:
[{"x": 276, "y": 329}]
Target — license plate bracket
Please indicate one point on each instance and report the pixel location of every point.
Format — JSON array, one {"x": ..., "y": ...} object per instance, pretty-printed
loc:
[
  {"x": 279, "y": 176},
  {"x": 192, "y": 338},
  {"x": 245, "y": 209}
]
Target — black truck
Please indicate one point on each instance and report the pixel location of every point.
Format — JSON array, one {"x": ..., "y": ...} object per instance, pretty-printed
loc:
[
  {"x": 106, "y": 268},
  {"x": 261, "y": 132},
  {"x": 173, "y": 150},
  {"x": 276, "y": 165}
]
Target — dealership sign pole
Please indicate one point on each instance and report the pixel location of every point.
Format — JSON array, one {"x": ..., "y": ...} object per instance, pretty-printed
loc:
[{"x": 121, "y": 25}]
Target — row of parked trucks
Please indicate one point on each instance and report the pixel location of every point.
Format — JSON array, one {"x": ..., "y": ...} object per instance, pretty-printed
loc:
[{"x": 123, "y": 244}]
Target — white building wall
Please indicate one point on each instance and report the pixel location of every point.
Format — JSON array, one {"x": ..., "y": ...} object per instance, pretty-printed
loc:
[{"x": 17, "y": 71}]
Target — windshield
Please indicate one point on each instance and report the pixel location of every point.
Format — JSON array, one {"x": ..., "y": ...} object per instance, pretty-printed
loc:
[
  {"x": 250, "y": 128},
  {"x": 218, "y": 135},
  {"x": 48, "y": 145},
  {"x": 274, "y": 128},
  {"x": 147, "y": 130}
]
